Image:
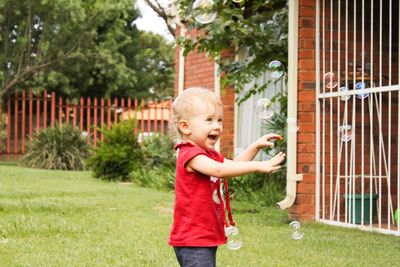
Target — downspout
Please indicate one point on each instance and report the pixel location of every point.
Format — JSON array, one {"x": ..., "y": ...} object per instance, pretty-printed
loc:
[
  {"x": 181, "y": 66},
  {"x": 291, "y": 161},
  {"x": 217, "y": 91}
]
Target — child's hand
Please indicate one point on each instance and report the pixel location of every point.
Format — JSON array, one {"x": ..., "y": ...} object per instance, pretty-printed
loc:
[
  {"x": 272, "y": 164},
  {"x": 265, "y": 141}
]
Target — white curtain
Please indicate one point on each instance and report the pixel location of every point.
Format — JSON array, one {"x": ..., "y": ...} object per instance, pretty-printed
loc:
[{"x": 249, "y": 125}]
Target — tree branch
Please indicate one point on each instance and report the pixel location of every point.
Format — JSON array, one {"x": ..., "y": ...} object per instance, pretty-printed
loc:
[{"x": 161, "y": 13}]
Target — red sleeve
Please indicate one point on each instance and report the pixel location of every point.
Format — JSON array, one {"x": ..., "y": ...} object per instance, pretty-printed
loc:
[{"x": 188, "y": 153}]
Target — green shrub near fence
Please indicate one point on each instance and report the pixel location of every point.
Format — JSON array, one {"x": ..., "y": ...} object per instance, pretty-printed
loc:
[
  {"x": 57, "y": 148},
  {"x": 119, "y": 154}
]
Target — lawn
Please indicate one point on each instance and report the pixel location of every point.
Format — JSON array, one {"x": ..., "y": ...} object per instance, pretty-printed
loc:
[{"x": 60, "y": 218}]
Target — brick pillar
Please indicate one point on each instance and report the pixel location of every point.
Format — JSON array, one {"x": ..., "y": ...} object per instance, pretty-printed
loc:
[{"x": 304, "y": 207}]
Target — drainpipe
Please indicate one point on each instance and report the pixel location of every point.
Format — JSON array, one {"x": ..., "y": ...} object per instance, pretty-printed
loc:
[
  {"x": 291, "y": 162},
  {"x": 181, "y": 66}
]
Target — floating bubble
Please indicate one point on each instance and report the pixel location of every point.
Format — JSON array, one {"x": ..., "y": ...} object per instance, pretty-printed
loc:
[
  {"x": 231, "y": 230},
  {"x": 276, "y": 69},
  {"x": 237, "y": 1},
  {"x": 295, "y": 225},
  {"x": 360, "y": 86},
  {"x": 345, "y": 133},
  {"x": 264, "y": 108},
  {"x": 204, "y": 11},
  {"x": 330, "y": 80},
  {"x": 235, "y": 244},
  {"x": 296, "y": 235},
  {"x": 344, "y": 97},
  {"x": 238, "y": 151}
]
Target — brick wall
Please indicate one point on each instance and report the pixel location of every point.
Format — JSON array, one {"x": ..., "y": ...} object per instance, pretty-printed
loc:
[{"x": 199, "y": 71}]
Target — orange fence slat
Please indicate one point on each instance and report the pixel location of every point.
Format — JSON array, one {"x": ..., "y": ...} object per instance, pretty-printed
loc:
[{"x": 23, "y": 123}]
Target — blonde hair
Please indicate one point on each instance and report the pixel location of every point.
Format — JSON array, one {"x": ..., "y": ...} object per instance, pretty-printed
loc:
[{"x": 182, "y": 107}]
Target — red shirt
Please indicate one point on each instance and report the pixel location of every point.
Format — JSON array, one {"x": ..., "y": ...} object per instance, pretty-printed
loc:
[{"x": 199, "y": 209}]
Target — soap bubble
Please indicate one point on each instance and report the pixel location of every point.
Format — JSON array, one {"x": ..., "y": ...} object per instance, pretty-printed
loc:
[
  {"x": 231, "y": 230},
  {"x": 296, "y": 235},
  {"x": 295, "y": 225},
  {"x": 345, "y": 133},
  {"x": 203, "y": 10},
  {"x": 237, "y": 1},
  {"x": 330, "y": 80},
  {"x": 276, "y": 69},
  {"x": 233, "y": 243},
  {"x": 344, "y": 97},
  {"x": 360, "y": 86},
  {"x": 264, "y": 108}
]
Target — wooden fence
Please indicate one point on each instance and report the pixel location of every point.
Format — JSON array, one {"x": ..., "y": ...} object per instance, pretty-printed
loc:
[{"x": 27, "y": 113}]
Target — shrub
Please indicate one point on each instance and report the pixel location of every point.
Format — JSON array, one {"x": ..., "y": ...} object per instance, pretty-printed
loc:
[
  {"x": 119, "y": 154},
  {"x": 263, "y": 189},
  {"x": 158, "y": 170},
  {"x": 57, "y": 148}
]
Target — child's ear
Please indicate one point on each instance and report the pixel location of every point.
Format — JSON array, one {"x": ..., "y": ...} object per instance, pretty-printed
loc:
[{"x": 184, "y": 127}]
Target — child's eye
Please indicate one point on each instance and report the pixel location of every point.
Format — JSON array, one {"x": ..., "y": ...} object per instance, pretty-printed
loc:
[{"x": 209, "y": 119}]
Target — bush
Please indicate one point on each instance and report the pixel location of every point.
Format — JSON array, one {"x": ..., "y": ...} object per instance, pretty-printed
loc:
[
  {"x": 158, "y": 170},
  {"x": 119, "y": 154},
  {"x": 263, "y": 189},
  {"x": 57, "y": 148}
]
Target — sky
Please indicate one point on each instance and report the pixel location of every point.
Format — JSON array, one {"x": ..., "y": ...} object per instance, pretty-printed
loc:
[{"x": 150, "y": 21}]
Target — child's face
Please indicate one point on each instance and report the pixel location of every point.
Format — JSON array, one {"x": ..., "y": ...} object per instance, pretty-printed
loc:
[{"x": 205, "y": 125}]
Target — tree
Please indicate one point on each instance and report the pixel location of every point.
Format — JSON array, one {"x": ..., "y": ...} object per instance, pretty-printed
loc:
[
  {"x": 77, "y": 48},
  {"x": 256, "y": 27},
  {"x": 80, "y": 48},
  {"x": 166, "y": 13}
]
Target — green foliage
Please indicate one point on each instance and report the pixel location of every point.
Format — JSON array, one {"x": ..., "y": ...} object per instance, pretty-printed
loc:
[
  {"x": 257, "y": 27},
  {"x": 119, "y": 154},
  {"x": 80, "y": 48},
  {"x": 263, "y": 189},
  {"x": 158, "y": 170},
  {"x": 57, "y": 148}
]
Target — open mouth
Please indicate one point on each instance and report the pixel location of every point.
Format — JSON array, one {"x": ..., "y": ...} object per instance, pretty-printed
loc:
[{"x": 213, "y": 137}]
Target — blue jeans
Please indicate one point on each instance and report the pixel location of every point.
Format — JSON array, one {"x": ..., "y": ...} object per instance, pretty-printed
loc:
[{"x": 196, "y": 256}]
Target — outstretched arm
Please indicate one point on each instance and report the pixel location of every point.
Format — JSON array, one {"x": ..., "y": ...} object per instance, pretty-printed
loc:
[
  {"x": 252, "y": 150},
  {"x": 229, "y": 168}
]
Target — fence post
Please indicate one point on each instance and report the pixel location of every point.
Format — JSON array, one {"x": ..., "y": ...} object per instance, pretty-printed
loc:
[
  {"x": 95, "y": 122},
  {"x": 102, "y": 119},
  {"x": 23, "y": 133},
  {"x": 109, "y": 113},
  {"x": 45, "y": 109},
  {"x": 60, "y": 112},
  {"x": 88, "y": 119},
  {"x": 16, "y": 125},
  {"x": 53, "y": 109},
  {"x": 135, "y": 104},
  {"x": 115, "y": 110},
  {"x": 30, "y": 115},
  {"x": 155, "y": 120},
  {"x": 81, "y": 114}
]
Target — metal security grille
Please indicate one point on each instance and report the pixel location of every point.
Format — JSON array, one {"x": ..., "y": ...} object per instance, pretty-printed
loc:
[{"x": 358, "y": 115}]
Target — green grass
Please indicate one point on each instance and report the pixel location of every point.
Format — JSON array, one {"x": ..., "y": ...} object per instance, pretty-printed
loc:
[{"x": 61, "y": 218}]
